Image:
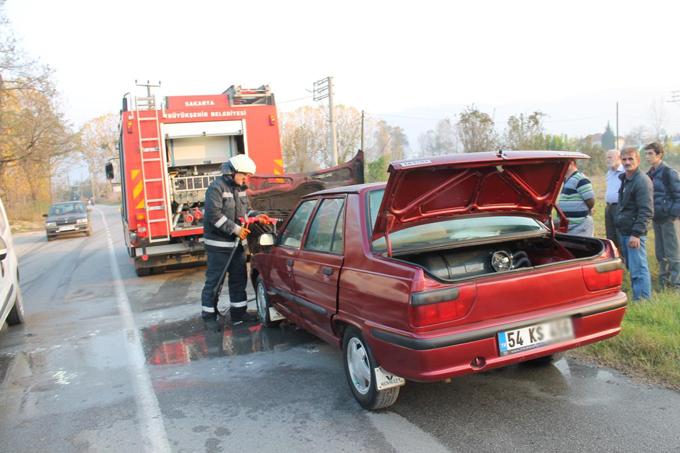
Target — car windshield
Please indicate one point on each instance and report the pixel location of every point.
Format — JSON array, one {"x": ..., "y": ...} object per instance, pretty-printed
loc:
[
  {"x": 452, "y": 230},
  {"x": 67, "y": 208}
]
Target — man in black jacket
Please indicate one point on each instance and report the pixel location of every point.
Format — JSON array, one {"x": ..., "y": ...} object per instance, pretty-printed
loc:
[
  {"x": 635, "y": 211},
  {"x": 225, "y": 205},
  {"x": 666, "y": 216}
]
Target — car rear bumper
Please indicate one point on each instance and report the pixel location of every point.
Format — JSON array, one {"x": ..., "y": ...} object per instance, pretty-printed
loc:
[{"x": 434, "y": 358}]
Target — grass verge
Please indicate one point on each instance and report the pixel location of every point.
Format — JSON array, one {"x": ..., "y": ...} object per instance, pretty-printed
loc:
[{"x": 648, "y": 346}]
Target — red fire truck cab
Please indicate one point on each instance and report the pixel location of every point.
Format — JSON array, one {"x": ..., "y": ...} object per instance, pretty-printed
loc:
[{"x": 170, "y": 153}]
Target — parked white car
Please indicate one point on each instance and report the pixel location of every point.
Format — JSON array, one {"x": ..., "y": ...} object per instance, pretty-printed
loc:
[{"x": 11, "y": 309}]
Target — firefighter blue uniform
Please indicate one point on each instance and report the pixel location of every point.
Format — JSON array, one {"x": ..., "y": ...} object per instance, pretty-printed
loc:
[{"x": 225, "y": 204}]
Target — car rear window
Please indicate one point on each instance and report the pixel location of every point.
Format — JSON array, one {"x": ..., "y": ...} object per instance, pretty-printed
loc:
[{"x": 453, "y": 230}]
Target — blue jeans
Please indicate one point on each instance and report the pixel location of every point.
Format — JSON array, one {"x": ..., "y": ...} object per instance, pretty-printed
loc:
[{"x": 636, "y": 262}]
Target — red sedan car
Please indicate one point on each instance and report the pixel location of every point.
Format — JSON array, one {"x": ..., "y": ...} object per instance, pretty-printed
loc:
[{"x": 452, "y": 267}]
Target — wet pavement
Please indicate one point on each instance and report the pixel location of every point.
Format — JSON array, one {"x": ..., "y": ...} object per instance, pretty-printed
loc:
[{"x": 110, "y": 362}]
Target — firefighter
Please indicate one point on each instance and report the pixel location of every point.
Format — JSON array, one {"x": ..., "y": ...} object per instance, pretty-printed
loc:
[{"x": 225, "y": 205}]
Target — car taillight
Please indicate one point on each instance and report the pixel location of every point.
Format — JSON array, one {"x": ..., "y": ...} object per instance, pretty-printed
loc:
[
  {"x": 434, "y": 307},
  {"x": 603, "y": 275}
]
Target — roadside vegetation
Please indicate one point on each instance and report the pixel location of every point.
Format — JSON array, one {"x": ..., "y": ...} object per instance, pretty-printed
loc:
[{"x": 648, "y": 346}]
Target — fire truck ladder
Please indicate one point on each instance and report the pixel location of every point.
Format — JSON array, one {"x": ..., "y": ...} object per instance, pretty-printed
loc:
[{"x": 153, "y": 169}]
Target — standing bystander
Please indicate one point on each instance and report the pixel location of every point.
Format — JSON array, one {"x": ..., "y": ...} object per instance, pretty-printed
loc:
[
  {"x": 666, "y": 216},
  {"x": 611, "y": 198},
  {"x": 576, "y": 202},
  {"x": 634, "y": 212}
]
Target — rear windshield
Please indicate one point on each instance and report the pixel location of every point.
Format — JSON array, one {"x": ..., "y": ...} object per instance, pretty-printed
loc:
[
  {"x": 67, "y": 208},
  {"x": 454, "y": 230}
]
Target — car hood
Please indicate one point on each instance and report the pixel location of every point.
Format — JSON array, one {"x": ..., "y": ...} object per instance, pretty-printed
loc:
[{"x": 425, "y": 190}]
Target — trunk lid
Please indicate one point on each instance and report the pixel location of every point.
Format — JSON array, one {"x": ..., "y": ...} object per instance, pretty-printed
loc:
[{"x": 421, "y": 191}]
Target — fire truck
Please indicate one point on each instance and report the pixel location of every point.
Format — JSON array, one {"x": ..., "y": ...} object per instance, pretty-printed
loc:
[{"x": 170, "y": 153}]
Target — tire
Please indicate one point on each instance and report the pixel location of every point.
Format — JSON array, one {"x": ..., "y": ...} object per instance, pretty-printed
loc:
[
  {"x": 360, "y": 371},
  {"x": 49, "y": 238},
  {"x": 262, "y": 302},
  {"x": 88, "y": 232},
  {"x": 158, "y": 270},
  {"x": 16, "y": 314},
  {"x": 142, "y": 271},
  {"x": 545, "y": 360}
]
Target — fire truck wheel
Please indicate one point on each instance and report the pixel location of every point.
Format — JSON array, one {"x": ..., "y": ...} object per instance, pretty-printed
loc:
[{"x": 142, "y": 271}]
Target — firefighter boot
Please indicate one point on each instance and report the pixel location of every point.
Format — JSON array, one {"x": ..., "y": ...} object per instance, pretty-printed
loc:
[{"x": 240, "y": 315}]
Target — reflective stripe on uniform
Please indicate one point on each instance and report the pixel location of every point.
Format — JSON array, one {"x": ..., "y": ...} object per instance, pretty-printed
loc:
[
  {"x": 215, "y": 243},
  {"x": 227, "y": 195},
  {"x": 208, "y": 309},
  {"x": 241, "y": 194},
  {"x": 221, "y": 221},
  {"x": 239, "y": 304}
]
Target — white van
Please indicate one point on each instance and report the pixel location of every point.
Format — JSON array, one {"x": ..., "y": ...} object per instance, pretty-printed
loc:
[{"x": 11, "y": 309}]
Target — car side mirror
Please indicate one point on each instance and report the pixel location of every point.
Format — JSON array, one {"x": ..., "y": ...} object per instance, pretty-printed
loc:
[
  {"x": 266, "y": 240},
  {"x": 109, "y": 171},
  {"x": 3, "y": 249}
]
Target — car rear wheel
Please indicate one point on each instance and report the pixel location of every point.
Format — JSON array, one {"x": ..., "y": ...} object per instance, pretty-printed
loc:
[
  {"x": 360, "y": 371},
  {"x": 16, "y": 314},
  {"x": 262, "y": 301}
]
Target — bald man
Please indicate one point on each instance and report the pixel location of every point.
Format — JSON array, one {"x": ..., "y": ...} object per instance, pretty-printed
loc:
[{"x": 611, "y": 198}]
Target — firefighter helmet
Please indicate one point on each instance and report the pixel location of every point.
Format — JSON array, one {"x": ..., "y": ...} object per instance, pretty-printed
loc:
[{"x": 239, "y": 164}]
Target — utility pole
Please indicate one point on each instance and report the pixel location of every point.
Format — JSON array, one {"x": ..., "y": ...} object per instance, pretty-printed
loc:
[
  {"x": 148, "y": 86},
  {"x": 616, "y": 141},
  {"x": 324, "y": 89},
  {"x": 362, "y": 130}
]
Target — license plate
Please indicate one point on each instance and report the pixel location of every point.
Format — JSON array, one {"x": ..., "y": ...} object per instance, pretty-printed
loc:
[
  {"x": 274, "y": 314},
  {"x": 67, "y": 228},
  {"x": 385, "y": 380},
  {"x": 531, "y": 337}
]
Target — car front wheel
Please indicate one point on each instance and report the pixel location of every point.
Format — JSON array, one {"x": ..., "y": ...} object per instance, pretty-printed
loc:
[
  {"x": 263, "y": 304},
  {"x": 16, "y": 315},
  {"x": 360, "y": 371}
]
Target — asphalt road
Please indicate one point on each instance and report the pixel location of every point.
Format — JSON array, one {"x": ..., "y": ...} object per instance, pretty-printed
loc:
[{"x": 107, "y": 361}]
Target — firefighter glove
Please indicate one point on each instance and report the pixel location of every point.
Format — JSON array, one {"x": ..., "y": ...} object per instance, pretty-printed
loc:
[{"x": 243, "y": 233}]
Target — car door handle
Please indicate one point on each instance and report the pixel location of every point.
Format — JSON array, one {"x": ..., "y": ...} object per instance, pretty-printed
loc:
[{"x": 327, "y": 270}]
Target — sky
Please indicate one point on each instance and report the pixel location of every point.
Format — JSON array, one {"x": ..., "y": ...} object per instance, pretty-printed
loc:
[{"x": 409, "y": 63}]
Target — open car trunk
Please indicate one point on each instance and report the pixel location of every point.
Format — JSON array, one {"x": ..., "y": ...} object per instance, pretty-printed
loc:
[{"x": 508, "y": 256}]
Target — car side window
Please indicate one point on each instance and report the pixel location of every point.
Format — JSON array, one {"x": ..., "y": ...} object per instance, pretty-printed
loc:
[
  {"x": 292, "y": 235},
  {"x": 322, "y": 232},
  {"x": 339, "y": 237}
]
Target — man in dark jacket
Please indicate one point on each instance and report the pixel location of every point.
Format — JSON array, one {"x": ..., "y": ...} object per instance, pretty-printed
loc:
[
  {"x": 225, "y": 204},
  {"x": 635, "y": 211},
  {"x": 666, "y": 216}
]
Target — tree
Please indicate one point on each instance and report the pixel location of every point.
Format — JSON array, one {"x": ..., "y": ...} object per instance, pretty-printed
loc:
[
  {"x": 657, "y": 120},
  {"x": 442, "y": 140},
  {"x": 98, "y": 145},
  {"x": 525, "y": 132},
  {"x": 608, "y": 139},
  {"x": 33, "y": 131},
  {"x": 304, "y": 133},
  {"x": 476, "y": 130},
  {"x": 386, "y": 141}
]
